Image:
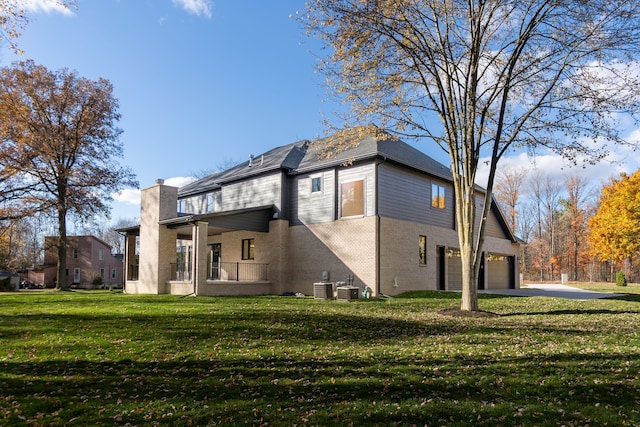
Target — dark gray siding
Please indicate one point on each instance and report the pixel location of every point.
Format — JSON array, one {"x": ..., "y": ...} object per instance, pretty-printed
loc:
[{"x": 406, "y": 195}]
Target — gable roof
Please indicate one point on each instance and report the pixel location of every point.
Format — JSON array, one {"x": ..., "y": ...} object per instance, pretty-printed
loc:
[{"x": 307, "y": 156}]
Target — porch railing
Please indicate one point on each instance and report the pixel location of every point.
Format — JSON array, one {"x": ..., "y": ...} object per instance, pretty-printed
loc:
[
  {"x": 180, "y": 272},
  {"x": 230, "y": 271},
  {"x": 243, "y": 272},
  {"x": 133, "y": 271}
]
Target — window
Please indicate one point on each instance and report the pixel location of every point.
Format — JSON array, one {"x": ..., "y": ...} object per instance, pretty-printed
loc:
[
  {"x": 113, "y": 273},
  {"x": 209, "y": 202},
  {"x": 352, "y": 198},
  {"x": 248, "y": 248},
  {"x": 422, "y": 250},
  {"x": 101, "y": 254},
  {"x": 102, "y": 273},
  {"x": 76, "y": 275},
  {"x": 182, "y": 205},
  {"x": 437, "y": 196},
  {"x": 316, "y": 184},
  {"x": 75, "y": 254}
]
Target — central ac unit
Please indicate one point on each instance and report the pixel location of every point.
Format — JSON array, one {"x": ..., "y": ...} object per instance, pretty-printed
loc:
[
  {"x": 347, "y": 293},
  {"x": 323, "y": 290}
]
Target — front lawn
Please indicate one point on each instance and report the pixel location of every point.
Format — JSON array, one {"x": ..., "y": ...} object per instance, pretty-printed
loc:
[{"x": 99, "y": 358}]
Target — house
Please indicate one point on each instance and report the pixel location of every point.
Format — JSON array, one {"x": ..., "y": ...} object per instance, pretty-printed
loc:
[
  {"x": 378, "y": 215},
  {"x": 90, "y": 264}
]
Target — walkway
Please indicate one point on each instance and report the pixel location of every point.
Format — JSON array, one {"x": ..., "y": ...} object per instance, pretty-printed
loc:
[{"x": 557, "y": 291}]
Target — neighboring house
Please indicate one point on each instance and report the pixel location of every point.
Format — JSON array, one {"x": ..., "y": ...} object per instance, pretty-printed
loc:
[
  {"x": 379, "y": 215},
  {"x": 88, "y": 258}
]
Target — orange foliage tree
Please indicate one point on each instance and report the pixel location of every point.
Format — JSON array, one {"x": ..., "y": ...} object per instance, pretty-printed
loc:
[{"x": 614, "y": 230}]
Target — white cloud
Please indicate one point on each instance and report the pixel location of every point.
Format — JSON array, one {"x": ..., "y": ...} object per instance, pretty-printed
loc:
[
  {"x": 620, "y": 159},
  {"x": 132, "y": 196},
  {"x": 196, "y": 7},
  {"x": 128, "y": 196},
  {"x": 46, "y": 6}
]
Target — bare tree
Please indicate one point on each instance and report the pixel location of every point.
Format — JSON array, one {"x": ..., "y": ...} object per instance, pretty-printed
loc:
[
  {"x": 59, "y": 137},
  {"x": 482, "y": 77},
  {"x": 508, "y": 188}
]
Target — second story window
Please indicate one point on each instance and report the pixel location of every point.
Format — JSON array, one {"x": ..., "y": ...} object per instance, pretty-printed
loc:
[
  {"x": 352, "y": 198},
  {"x": 437, "y": 196},
  {"x": 101, "y": 254},
  {"x": 248, "y": 249},
  {"x": 75, "y": 254},
  {"x": 209, "y": 203},
  {"x": 316, "y": 184}
]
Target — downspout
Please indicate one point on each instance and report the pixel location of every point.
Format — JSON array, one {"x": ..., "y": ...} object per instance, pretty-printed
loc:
[
  {"x": 378, "y": 228},
  {"x": 194, "y": 256}
]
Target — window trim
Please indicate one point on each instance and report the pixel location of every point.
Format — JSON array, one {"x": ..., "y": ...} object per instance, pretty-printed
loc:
[
  {"x": 317, "y": 179},
  {"x": 364, "y": 198},
  {"x": 438, "y": 196},
  {"x": 422, "y": 250},
  {"x": 248, "y": 249}
]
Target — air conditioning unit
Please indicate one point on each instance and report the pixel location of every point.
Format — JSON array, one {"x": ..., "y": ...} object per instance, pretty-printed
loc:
[
  {"x": 347, "y": 293},
  {"x": 323, "y": 290}
]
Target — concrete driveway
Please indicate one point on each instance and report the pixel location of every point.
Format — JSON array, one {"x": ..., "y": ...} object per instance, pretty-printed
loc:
[{"x": 556, "y": 291}]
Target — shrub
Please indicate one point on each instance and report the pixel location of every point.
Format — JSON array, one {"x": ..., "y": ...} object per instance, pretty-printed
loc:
[
  {"x": 6, "y": 285},
  {"x": 621, "y": 279},
  {"x": 97, "y": 281}
]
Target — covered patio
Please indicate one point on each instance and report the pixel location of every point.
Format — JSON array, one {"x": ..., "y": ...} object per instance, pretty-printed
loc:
[{"x": 186, "y": 253}]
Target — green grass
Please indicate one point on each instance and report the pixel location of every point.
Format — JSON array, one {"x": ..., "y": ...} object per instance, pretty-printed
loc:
[
  {"x": 99, "y": 358},
  {"x": 631, "y": 288}
]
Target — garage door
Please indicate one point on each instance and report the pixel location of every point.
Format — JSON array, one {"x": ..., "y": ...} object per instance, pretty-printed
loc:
[{"x": 500, "y": 271}]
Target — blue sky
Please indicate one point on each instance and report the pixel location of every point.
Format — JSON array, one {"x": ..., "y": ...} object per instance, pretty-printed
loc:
[{"x": 202, "y": 83}]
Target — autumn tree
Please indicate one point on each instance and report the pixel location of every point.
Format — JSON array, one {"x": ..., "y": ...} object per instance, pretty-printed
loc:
[
  {"x": 574, "y": 221},
  {"x": 614, "y": 230},
  {"x": 482, "y": 77},
  {"x": 59, "y": 139},
  {"x": 14, "y": 18}
]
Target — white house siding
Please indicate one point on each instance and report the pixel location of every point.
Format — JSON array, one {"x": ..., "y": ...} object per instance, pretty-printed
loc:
[
  {"x": 406, "y": 195},
  {"x": 259, "y": 191},
  {"x": 367, "y": 173},
  {"x": 340, "y": 248},
  {"x": 308, "y": 207}
]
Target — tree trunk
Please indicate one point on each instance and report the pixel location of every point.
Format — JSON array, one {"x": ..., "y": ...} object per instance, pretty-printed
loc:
[
  {"x": 61, "y": 283},
  {"x": 465, "y": 216},
  {"x": 469, "y": 281}
]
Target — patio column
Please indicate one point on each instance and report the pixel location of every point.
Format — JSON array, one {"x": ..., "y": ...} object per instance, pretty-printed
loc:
[
  {"x": 199, "y": 264},
  {"x": 157, "y": 242}
]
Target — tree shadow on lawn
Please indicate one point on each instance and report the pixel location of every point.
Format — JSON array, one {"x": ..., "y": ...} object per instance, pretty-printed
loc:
[{"x": 569, "y": 388}]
